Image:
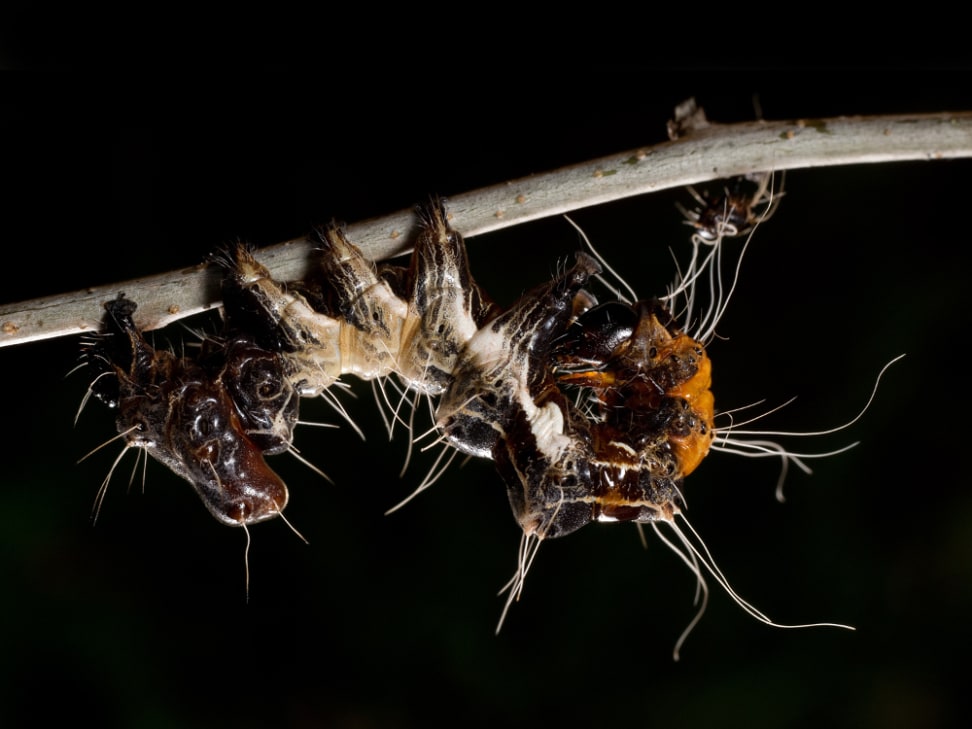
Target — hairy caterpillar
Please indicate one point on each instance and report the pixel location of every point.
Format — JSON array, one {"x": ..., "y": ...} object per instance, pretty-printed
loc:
[{"x": 591, "y": 411}]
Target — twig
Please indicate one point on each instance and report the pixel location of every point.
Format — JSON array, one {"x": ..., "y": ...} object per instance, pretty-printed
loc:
[{"x": 713, "y": 152}]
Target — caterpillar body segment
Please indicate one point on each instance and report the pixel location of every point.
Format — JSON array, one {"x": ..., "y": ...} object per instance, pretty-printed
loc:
[
  {"x": 446, "y": 307},
  {"x": 504, "y": 368},
  {"x": 182, "y": 414},
  {"x": 280, "y": 318}
]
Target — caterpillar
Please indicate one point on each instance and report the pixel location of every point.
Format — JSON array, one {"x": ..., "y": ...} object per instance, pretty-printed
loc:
[{"x": 591, "y": 411}]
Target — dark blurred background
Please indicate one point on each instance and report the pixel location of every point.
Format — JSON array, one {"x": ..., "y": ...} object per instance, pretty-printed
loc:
[{"x": 387, "y": 621}]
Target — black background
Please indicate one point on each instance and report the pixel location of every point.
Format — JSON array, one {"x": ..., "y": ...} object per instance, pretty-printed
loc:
[{"x": 141, "y": 619}]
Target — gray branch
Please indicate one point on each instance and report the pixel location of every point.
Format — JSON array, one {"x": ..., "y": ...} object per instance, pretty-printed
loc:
[{"x": 708, "y": 152}]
